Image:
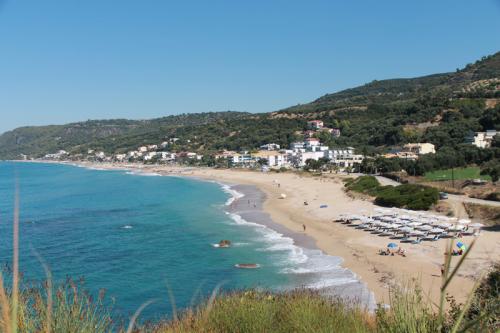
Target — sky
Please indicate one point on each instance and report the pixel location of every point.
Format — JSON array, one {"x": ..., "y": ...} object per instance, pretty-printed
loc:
[{"x": 70, "y": 60}]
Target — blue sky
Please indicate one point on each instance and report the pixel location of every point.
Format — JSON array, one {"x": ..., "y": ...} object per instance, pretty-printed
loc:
[{"x": 71, "y": 60}]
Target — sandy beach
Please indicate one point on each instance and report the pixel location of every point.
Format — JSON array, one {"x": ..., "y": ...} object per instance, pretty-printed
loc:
[{"x": 359, "y": 249}]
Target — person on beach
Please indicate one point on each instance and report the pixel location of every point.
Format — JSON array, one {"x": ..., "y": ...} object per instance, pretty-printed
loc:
[
  {"x": 304, "y": 226},
  {"x": 442, "y": 270}
]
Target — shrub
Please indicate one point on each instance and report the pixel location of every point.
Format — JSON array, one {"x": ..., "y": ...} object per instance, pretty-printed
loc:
[
  {"x": 363, "y": 184},
  {"x": 485, "y": 309},
  {"x": 67, "y": 308},
  {"x": 411, "y": 196},
  {"x": 253, "y": 311}
]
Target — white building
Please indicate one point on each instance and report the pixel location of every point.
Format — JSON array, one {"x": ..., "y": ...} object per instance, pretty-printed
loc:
[
  {"x": 315, "y": 124},
  {"x": 297, "y": 145},
  {"x": 270, "y": 146},
  {"x": 312, "y": 149},
  {"x": 242, "y": 159},
  {"x": 419, "y": 148},
  {"x": 134, "y": 154},
  {"x": 57, "y": 156},
  {"x": 278, "y": 161},
  {"x": 150, "y": 156},
  {"x": 120, "y": 157},
  {"x": 275, "y": 159},
  {"x": 100, "y": 155},
  {"x": 483, "y": 139},
  {"x": 167, "y": 157},
  {"x": 312, "y": 142},
  {"x": 143, "y": 149}
]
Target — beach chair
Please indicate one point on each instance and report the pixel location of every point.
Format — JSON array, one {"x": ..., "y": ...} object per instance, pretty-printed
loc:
[
  {"x": 430, "y": 238},
  {"x": 468, "y": 233},
  {"x": 417, "y": 241},
  {"x": 435, "y": 238}
]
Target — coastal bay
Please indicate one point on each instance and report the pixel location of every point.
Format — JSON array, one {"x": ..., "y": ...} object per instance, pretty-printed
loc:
[{"x": 358, "y": 249}]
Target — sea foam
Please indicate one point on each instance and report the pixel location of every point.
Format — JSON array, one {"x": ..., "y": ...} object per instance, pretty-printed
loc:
[
  {"x": 235, "y": 195},
  {"x": 314, "y": 268}
]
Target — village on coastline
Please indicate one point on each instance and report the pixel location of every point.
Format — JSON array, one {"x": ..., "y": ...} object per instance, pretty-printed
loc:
[{"x": 300, "y": 154}]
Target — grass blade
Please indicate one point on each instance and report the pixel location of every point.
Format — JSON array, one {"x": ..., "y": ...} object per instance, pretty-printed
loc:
[{"x": 137, "y": 313}]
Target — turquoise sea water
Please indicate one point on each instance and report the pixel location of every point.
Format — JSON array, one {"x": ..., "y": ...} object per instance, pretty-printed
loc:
[{"x": 137, "y": 235}]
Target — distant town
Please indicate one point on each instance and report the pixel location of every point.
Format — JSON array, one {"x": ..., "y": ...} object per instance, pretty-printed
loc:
[{"x": 300, "y": 154}]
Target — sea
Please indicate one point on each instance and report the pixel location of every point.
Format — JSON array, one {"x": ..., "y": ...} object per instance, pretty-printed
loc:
[{"x": 142, "y": 237}]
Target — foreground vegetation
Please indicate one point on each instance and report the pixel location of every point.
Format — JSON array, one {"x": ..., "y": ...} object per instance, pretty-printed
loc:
[
  {"x": 410, "y": 196},
  {"x": 72, "y": 310}
]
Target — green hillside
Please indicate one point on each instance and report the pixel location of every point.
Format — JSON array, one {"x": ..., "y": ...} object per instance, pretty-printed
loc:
[
  {"x": 39, "y": 140},
  {"x": 441, "y": 109}
]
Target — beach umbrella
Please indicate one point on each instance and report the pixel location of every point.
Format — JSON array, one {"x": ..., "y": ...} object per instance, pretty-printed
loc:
[
  {"x": 414, "y": 224},
  {"x": 425, "y": 227},
  {"x": 456, "y": 228},
  {"x": 392, "y": 245},
  {"x": 461, "y": 246},
  {"x": 406, "y": 229},
  {"x": 436, "y": 231},
  {"x": 444, "y": 225},
  {"x": 393, "y": 226},
  {"x": 476, "y": 225},
  {"x": 417, "y": 233},
  {"x": 464, "y": 221}
]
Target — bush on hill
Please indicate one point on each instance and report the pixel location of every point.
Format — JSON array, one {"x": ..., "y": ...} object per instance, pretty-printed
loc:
[
  {"x": 364, "y": 184},
  {"x": 410, "y": 196}
]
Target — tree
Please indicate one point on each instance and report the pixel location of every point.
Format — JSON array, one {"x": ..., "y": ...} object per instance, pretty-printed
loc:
[
  {"x": 312, "y": 164},
  {"x": 491, "y": 119},
  {"x": 492, "y": 168},
  {"x": 262, "y": 161}
]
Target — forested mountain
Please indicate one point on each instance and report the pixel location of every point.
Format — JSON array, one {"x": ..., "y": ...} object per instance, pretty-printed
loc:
[
  {"x": 40, "y": 140},
  {"x": 440, "y": 108}
]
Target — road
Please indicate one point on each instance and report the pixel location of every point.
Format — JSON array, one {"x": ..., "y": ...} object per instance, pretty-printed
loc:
[{"x": 451, "y": 197}]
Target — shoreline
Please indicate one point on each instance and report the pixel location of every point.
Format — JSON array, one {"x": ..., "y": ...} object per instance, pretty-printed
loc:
[
  {"x": 330, "y": 279},
  {"x": 357, "y": 249}
]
